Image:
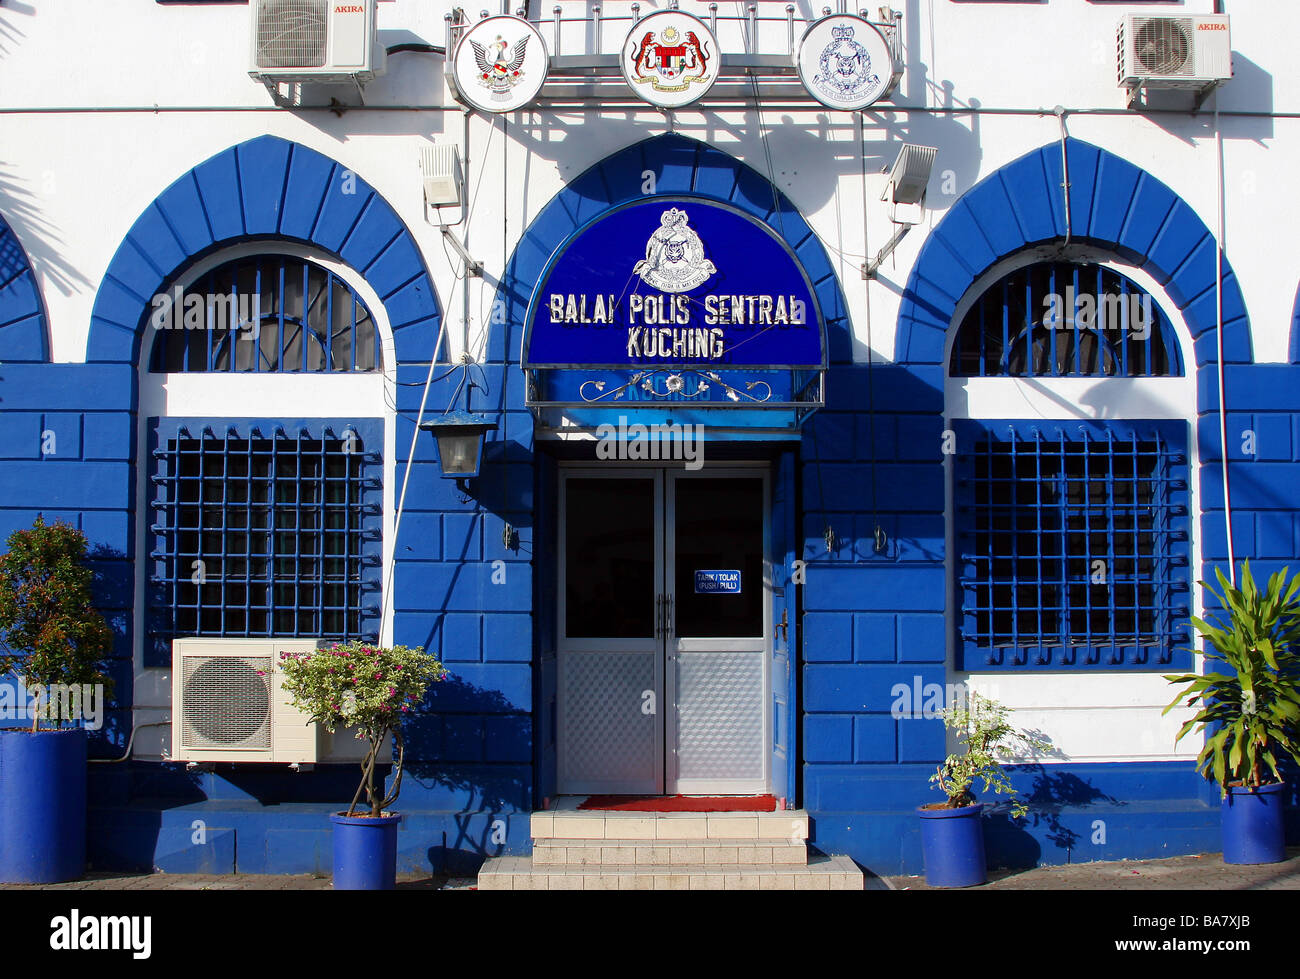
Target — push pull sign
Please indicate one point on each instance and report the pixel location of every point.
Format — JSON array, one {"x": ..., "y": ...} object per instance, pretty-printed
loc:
[{"x": 717, "y": 582}]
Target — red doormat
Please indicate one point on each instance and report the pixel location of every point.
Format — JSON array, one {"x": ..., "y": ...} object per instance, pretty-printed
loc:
[{"x": 681, "y": 803}]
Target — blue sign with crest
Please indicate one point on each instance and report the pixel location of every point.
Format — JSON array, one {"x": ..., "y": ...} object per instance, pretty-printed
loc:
[{"x": 674, "y": 282}]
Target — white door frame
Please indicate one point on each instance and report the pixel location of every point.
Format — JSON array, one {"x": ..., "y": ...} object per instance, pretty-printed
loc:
[{"x": 665, "y": 644}]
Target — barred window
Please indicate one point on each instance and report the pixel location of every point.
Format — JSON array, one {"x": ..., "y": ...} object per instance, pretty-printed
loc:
[
  {"x": 262, "y": 314},
  {"x": 1072, "y": 544},
  {"x": 265, "y": 529},
  {"x": 1061, "y": 319}
]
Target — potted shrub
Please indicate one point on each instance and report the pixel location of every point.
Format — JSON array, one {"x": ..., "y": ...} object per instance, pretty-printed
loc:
[
  {"x": 1249, "y": 711},
  {"x": 370, "y": 688},
  {"x": 952, "y": 834},
  {"x": 54, "y": 643}
]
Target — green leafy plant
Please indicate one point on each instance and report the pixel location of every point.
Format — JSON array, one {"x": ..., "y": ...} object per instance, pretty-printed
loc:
[
  {"x": 1251, "y": 712},
  {"x": 983, "y": 726},
  {"x": 52, "y": 632},
  {"x": 367, "y": 687}
]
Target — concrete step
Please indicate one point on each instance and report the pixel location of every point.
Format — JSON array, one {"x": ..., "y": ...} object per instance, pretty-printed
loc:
[
  {"x": 554, "y": 851},
  {"x": 790, "y": 825},
  {"x": 522, "y": 873}
]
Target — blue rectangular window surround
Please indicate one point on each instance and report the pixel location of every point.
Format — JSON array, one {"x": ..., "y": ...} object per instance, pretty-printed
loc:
[
  {"x": 264, "y": 528},
  {"x": 1072, "y": 545}
]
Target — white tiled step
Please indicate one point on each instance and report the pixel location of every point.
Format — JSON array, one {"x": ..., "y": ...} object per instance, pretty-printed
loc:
[
  {"x": 740, "y": 852},
  {"x": 790, "y": 825},
  {"x": 521, "y": 873}
]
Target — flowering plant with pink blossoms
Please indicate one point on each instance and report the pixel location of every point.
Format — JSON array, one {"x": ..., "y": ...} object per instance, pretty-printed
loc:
[{"x": 364, "y": 686}]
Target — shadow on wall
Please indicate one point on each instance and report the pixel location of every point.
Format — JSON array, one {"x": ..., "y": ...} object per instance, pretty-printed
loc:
[
  {"x": 1059, "y": 804},
  {"x": 10, "y": 35},
  {"x": 471, "y": 754},
  {"x": 832, "y": 142},
  {"x": 504, "y": 486},
  {"x": 1249, "y": 90},
  {"x": 39, "y": 237}
]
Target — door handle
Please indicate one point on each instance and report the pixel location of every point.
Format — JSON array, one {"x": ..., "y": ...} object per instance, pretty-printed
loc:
[
  {"x": 659, "y": 616},
  {"x": 668, "y": 616}
]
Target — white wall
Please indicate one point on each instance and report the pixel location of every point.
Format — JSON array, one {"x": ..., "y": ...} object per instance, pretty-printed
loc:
[{"x": 71, "y": 183}]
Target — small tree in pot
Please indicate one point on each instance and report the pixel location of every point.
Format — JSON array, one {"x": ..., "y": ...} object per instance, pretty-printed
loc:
[
  {"x": 1250, "y": 712},
  {"x": 368, "y": 687},
  {"x": 986, "y": 732},
  {"x": 952, "y": 835},
  {"x": 373, "y": 689},
  {"x": 52, "y": 633},
  {"x": 56, "y": 642}
]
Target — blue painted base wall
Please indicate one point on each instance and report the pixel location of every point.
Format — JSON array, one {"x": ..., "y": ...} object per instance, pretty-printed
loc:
[
  {"x": 263, "y": 819},
  {"x": 1078, "y": 814}
]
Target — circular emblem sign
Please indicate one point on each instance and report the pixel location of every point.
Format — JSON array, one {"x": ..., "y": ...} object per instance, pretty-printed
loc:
[
  {"x": 500, "y": 64},
  {"x": 670, "y": 58},
  {"x": 844, "y": 62}
]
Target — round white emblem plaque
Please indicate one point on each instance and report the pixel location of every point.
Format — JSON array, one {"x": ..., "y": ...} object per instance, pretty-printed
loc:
[
  {"x": 670, "y": 58},
  {"x": 844, "y": 62},
  {"x": 500, "y": 64}
]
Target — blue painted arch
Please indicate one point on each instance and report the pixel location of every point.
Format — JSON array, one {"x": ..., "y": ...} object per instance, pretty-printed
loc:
[
  {"x": 24, "y": 336},
  {"x": 265, "y": 189},
  {"x": 680, "y": 166},
  {"x": 1114, "y": 205},
  {"x": 1295, "y": 329}
]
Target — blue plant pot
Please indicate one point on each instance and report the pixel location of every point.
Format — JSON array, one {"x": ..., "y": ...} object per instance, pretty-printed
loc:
[
  {"x": 1252, "y": 824},
  {"x": 42, "y": 806},
  {"x": 953, "y": 843},
  {"x": 365, "y": 852}
]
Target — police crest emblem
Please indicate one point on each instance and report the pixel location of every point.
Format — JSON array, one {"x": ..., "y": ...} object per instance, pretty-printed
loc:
[
  {"x": 845, "y": 66},
  {"x": 674, "y": 256},
  {"x": 844, "y": 62}
]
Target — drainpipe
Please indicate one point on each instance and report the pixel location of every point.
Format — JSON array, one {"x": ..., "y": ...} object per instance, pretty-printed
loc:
[
  {"x": 129, "y": 744},
  {"x": 1218, "y": 332},
  {"x": 1059, "y": 111}
]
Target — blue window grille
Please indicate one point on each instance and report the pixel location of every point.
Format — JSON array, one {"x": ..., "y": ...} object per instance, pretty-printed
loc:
[
  {"x": 265, "y": 529},
  {"x": 1073, "y": 545},
  {"x": 263, "y": 314},
  {"x": 1061, "y": 319}
]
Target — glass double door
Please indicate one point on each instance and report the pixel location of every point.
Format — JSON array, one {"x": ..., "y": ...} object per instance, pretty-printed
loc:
[{"x": 663, "y": 636}]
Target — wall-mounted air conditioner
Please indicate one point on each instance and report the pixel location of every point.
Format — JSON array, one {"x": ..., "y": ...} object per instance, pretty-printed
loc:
[
  {"x": 1173, "y": 52},
  {"x": 314, "y": 41},
  {"x": 228, "y": 705}
]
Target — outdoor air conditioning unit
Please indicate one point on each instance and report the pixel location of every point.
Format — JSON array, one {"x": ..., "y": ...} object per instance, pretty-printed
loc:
[
  {"x": 314, "y": 41},
  {"x": 227, "y": 703},
  {"x": 1173, "y": 52}
]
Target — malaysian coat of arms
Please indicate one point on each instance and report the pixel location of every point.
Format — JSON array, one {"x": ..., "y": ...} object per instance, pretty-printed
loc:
[
  {"x": 671, "y": 61},
  {"x": 845, "y": 72},
  {"x": 674, "y": 256}
]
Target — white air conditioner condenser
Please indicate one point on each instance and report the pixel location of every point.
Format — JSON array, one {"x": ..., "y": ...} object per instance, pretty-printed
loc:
[
  {"x": 228, "y": 704},
  {"x": 314, "y": 41},
  {"x": 1173, "y": 52}
]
